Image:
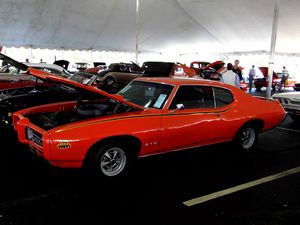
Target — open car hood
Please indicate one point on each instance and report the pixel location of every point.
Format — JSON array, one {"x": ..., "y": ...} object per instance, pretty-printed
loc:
[
  {"x": 264, "y": 70},
  {"x": 43, "y": 75},
  {"x": 215, "y": 65}
]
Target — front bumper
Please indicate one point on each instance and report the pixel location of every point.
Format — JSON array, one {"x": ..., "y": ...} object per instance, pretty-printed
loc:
[{"x": 293, "y": 112}]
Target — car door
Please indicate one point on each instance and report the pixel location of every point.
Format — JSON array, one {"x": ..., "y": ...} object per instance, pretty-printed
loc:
[{"x": 199, "y": 122}]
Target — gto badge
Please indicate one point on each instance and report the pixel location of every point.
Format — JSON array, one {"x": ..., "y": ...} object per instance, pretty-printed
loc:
[{"x": 64, "y": 145}]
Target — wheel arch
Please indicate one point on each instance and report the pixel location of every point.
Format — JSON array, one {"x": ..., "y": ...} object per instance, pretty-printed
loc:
[
  {"x": 125, "y": 139},
  {"x": 258, "y": 123},
  {"x": 110, "y": 75}
]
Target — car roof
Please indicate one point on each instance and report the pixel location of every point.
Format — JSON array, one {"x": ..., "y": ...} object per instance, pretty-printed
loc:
[{"x": 45, "y": 65}]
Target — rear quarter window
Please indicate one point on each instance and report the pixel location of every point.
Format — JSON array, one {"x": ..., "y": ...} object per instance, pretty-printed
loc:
[{"x": 223, "y": 97}]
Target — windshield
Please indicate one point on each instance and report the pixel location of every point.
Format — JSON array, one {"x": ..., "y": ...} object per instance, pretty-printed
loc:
[
  {"x": 66, "y": 72},
  {"x": 146, "y": 94},
  {"x": 10, "y": 69},
  {"x": 83, "y": 78}
]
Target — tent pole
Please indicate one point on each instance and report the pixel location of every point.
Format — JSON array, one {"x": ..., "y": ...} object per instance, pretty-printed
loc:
[
  {"x": 137, "y": 31},
  {"x": 272, "y": 49}
]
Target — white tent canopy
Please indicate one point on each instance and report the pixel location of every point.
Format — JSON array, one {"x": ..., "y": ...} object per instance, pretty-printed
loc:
[{"x": 181, "y": 26}]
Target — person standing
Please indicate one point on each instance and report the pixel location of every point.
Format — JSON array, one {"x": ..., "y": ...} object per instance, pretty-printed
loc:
[
  {"x": 237, "y": 69},
  {"x": 230, "y": 77},
  {"x": 252, "y": 73},
  {"x": 284, "y": 77}
]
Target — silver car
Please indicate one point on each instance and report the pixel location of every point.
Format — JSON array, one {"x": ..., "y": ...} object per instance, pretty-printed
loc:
[{"x": 290, "y": 101}]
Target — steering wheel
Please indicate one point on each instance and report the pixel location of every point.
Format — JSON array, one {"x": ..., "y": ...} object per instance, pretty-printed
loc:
[{"x": 117, "y": 108}]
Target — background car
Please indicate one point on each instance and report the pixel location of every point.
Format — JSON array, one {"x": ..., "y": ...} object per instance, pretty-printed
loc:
[
  {"x": 215, "y": 70},
  {"x": 147, "y": 117},
  {"x": 167, "y": 69},
  {"x": 290, "y": 101},
  {"x": 198, "y": 65},
  {"x": 118, "y": 75},
  {"x": 15, "y": 77},
  {"x": 262, "y": 81},
  {"x": 96, "y": 70},
  {"x": 15, "y": 99},
  {"x": 77, "y": 67},
  {"x": 297, "y": 86},
  {"x": 112, "y": 80}
]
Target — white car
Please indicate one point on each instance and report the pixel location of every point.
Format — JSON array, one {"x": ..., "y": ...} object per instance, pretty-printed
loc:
[
  {"x": 290, "y": 101},
  {"x": 51, "y": 68}
]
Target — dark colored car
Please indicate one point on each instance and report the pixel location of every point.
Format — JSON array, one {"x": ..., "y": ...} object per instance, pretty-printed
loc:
[
  {"x": 167, "y": 69},
  {"x": 113, "y": 80},
  {"x": 12, "y": 100},
  {"x": 198, "y": 65},
  {"x": 297, "y": 86}
]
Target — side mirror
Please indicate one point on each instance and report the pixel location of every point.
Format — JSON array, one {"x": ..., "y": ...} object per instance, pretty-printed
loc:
[{"x": 179, "y": 107}]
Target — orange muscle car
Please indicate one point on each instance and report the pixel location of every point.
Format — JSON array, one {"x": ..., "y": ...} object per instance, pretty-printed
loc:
[{"x": 104, "y": 132}]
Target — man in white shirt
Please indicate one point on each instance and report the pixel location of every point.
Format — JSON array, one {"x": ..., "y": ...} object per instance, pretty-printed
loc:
[{"x": 230, "y": 77}]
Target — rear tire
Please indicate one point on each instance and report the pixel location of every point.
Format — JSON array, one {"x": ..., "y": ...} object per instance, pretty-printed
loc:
[{"x": 246, "y": 138}]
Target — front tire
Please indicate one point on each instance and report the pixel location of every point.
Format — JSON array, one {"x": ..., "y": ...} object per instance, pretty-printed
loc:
[
  {"x": 247, "y": 137},
  {"x": 109, "y": 160},
  {"x": 258, "y": 88},
  {"x": 296, "y": 118},
  {"x": 277, "y": 87}
]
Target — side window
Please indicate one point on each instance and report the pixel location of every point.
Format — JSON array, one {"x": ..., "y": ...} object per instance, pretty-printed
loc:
[
  {"x": 195, "y": 66},
  {"x": 193, "y": 97},
  {"x": 54, "y": 71},
  {"x": 223, "y": 97}
]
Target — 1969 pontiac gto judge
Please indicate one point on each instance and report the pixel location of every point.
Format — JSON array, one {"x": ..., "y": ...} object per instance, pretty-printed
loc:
[{"x": 105, "y": 132}]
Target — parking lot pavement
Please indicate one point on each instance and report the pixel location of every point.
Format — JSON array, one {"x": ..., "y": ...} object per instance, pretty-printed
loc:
[{"x": 32, "y": 192}]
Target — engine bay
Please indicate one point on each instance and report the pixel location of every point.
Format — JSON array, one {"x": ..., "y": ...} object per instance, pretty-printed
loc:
[{"x": 83, "y": 110}]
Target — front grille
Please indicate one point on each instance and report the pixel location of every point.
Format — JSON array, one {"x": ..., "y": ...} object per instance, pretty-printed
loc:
[
  {"x": 296, "y": 102},
  {"x": 34, "y": 136}
]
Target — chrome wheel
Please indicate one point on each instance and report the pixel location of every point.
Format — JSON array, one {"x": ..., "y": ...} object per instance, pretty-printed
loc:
[
  {"x": 277, "y": 87},
  {"x": 113, "y": 161},
  {"x": 248, "y": 138}
]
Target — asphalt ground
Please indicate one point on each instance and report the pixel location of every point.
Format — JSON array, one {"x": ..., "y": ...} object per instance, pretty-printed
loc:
[{"x": 157, "y": 188}]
